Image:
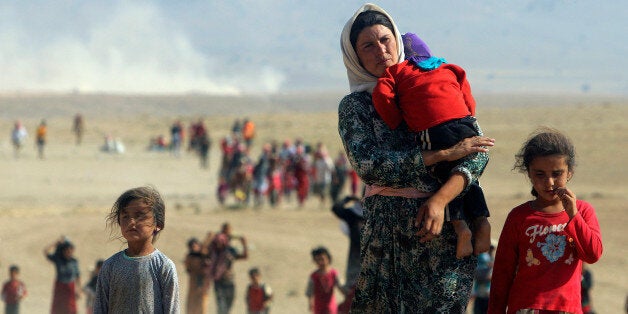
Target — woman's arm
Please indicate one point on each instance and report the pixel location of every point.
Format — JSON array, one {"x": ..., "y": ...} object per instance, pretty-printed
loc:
[
  {"x": 403, "y": 167},
  {"x": 375, "y": 164},
  {"x": 49, "y": 250},
  {"x": 245, "y": 249}
]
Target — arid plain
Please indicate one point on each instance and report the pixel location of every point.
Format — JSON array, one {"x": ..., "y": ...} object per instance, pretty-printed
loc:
[{"x": 71, "y": 191}]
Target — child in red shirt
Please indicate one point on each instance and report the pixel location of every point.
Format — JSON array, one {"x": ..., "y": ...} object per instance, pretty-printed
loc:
[
  {"x": 258, "y": 295},
  {"x": 539, "y": 256},
  {"x": 13, "y": 291},
  {"x": 321, "y": 284},
  {"x": 434, "y": 99}
]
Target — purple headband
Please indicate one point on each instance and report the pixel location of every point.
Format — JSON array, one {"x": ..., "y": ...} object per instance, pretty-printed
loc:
[{"x": 415, "y": 49}]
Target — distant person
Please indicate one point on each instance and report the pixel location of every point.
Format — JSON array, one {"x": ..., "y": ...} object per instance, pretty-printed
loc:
[
  {"x": 434, "y": 99},
  {"x": 302, "y": 164},
  {"x": 261, "y": 175},
  {"x": 538, "y": 263},
  {"x": 236, "y": 129},
  {"x": 176, "y": 138},
  {"x": 339, "y": 176},
  {"x": 40, "y": 140},
  {"x": 140, "y": 278},
  {"x": 322, "y": 169},
  {"x": 18, "y": 136},
  {"x": 482, "y": 281},
  {"x": 90, "y": 288},
  {"x": 13, "y": 291},
  {"x": 197, "y": 131},
  {"x": 204, "y": 145},
  {"x": 275, "y": 180},
  {"x": 248, "y": 132},
  {"x": 586, "y": 284},
  {"x": 222, "y": 255},
  {"x": 259, "y": 295},
  {"x": 78, "y": 127},
  {"x": 355, "y": 181},
  {"x": 351, "y": 212},
  {"x": 67, "y": 288},
  {"x": 321, "y": 284},
  {"x": 113, "y": 145},
  {"x": 197, "y": 266}
]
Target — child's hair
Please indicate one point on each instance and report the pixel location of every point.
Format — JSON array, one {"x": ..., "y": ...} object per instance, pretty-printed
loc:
[
  {"x": 254, "y": 271},
  {"x": 14, "y": 269},
  {"x": 321, "y": 250},
  {"x": 99, "y": 263},
  {"x": 61, "y": 247},
  {"x": 150, "y": 196},
  {"x": 545, "y": 142},
  {"x": 191, "y": 243}
]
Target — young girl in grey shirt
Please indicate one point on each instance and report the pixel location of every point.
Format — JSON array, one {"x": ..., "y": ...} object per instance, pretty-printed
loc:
[{"x": 139, "y": 279}]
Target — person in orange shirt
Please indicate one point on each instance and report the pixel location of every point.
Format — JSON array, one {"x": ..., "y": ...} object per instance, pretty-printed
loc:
[{"x": 41, "y": 138}]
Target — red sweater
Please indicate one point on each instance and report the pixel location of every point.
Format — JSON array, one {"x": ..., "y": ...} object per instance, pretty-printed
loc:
[
  {"x": 538, "y": 263},
  {"x": 422, "y": 98}
]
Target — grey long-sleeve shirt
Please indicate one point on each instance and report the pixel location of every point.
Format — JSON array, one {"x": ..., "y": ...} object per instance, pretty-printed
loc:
[{"x": 145, "y": 284}]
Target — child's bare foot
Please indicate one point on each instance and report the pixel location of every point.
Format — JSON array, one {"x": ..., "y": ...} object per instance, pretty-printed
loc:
[
  {"x": 482, "y": 230},
  {"x": 464, "y": 247}
]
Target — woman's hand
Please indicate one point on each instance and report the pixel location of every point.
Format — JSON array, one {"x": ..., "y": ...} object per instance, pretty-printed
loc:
[{"x": 468, "y": 146}]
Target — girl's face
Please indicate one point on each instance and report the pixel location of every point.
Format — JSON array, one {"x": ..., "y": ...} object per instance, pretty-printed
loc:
[
  {"x": 547, "y": 173},
  {"x": 68, "y": 252},
  {"x": 376, "y": 47},
  {"x": 321, "y": 260},
  {"x": 195, "y": 247},
  {"x": 137, "y": 222}
]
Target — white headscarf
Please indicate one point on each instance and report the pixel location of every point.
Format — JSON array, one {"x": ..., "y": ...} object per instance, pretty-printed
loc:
[{"x": 359, "y": 78}]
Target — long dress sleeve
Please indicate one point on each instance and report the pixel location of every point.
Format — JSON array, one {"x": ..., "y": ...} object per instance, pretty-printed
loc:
[{"x": 377, "y": 162}]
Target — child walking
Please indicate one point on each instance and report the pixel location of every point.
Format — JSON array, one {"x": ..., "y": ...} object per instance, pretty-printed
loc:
[
  {"x": 90, "y": 288},
  {"x": 13, "y": 291},
  {"x": 259, "y": 295},
  {"x": 544, "y": 241},
  {"x": 434, "y": 99},
  {"x": 139, "y": 279},
  {"x": 321, "y": 284},
  {"x": 67, "y": 286}
]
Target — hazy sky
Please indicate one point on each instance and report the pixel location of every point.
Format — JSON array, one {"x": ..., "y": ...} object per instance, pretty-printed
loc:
[{"x": 237, "y": 46}]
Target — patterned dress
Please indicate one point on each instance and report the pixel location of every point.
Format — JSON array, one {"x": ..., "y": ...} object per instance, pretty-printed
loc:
[{"x": 398, "y": 273}]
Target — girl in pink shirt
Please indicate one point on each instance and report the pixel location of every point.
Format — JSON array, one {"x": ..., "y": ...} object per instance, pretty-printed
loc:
[{"x": 539, "y": 256}]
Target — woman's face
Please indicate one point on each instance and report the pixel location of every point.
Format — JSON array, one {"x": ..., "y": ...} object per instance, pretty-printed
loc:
[{"x": 376, "y": 47}]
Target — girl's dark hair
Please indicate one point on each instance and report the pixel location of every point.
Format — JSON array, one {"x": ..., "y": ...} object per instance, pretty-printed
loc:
[
  {"x": 149, "y": 195},
  {"x": 368, "y": 19},
  {"x": 321, "y": 250},
  {"x": 545, "y": 142},
  {"x": 61, "y": 247}
]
